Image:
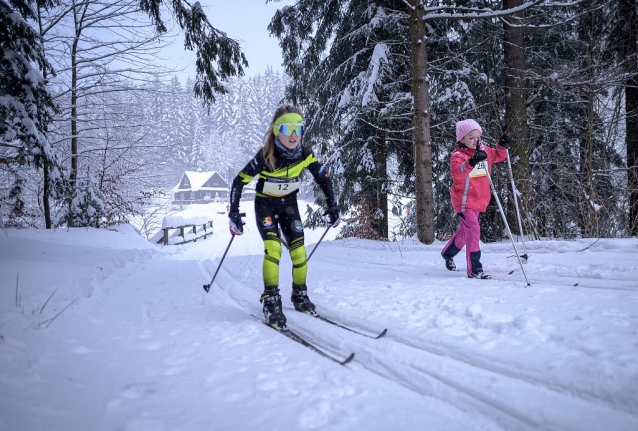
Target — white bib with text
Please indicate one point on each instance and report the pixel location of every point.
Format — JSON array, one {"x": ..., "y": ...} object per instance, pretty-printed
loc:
[
  {"x": 279, "y": 187},
  {"x": 480, "y": 170}
]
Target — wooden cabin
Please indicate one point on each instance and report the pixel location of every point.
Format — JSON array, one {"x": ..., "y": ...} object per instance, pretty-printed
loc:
[{"x": 203, "y": 187}]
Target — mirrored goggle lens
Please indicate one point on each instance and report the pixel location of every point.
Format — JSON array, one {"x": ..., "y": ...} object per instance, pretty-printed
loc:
[{"x": 287, "y": 129}]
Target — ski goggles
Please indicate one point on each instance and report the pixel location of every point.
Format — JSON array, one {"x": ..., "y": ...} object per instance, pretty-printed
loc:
[
  {"x": 288, "y": 123},
  {"x": 288, "y": 128}
]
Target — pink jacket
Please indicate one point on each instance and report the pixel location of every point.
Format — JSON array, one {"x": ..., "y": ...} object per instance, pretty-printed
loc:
[{"x": 470, "y": 186}]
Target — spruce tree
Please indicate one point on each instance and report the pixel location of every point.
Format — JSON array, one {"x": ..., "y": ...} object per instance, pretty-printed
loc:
[
  {"x": 26, "y": 105},
  {"x": 355, "y": 98}
]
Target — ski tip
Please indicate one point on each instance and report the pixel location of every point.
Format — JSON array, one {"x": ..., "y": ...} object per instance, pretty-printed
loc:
[
  {"x": 382, "y": 334},
  {"x": 511, "y": 272},
  {"x": 348, "y": 359}
]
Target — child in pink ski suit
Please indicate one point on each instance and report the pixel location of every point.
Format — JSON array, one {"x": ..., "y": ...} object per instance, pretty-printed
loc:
[{"x": 470, "y": 164}]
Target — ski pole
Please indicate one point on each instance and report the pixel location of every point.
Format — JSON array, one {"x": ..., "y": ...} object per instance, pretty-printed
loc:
[
  {"x": 518, "y": 214},
  {"x": 500, "y": 208},
  {"x": 283, "y": 239},
  {"x": 320, "y": 239},
  {"x": 207, "y": 286}
]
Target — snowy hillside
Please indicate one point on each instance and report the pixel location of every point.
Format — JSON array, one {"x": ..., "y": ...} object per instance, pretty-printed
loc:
[{"x": 102, "y": 330}]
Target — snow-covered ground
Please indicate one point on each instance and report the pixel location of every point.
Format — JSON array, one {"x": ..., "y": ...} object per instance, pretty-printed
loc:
[{"x": 102, "y": 330}]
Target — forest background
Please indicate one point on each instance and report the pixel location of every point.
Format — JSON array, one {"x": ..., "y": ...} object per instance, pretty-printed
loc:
[{"x": 93, "y": 132}]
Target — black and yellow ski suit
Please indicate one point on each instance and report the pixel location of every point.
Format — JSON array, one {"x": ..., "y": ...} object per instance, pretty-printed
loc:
[{"x": 276, "y": 208}]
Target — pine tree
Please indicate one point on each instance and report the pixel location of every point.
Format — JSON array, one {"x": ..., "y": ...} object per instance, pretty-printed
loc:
[
  {"x": 574, "y": 161},
  {"x": 85, "y": 205},
  {"x": 623, "y": 49},
  {"x": 174, "y": 125},
  {"x": 26, "y": 106},
  {"x": 355, "y": 99}
]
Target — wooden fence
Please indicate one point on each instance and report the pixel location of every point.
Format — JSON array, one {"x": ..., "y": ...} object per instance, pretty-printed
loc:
[{"x": 183, "y": 234}]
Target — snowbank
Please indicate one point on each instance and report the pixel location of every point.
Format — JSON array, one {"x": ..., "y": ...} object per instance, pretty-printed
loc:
[{"x": 176, "y": 221}]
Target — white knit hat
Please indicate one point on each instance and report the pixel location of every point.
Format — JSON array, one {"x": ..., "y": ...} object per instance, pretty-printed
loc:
[{"x": 466, "y": 126}]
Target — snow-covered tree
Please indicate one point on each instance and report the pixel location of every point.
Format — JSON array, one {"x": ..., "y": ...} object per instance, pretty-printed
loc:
[
  {"x": 355, "y": 96},
  {"x": 304, "y": 40},
  {"x": 26, "y": 105}
]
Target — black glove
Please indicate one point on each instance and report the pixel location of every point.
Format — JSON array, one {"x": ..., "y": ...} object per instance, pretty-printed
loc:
[
  {"x": 505, "y": 141},
  {"x": 334, "y": 215},
  {"x": 478, "y": 156},
  {"x": 235, "y": 223}
]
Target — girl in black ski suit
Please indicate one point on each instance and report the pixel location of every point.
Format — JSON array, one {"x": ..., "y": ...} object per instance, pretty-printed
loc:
[{"x": 279, "y": 164}]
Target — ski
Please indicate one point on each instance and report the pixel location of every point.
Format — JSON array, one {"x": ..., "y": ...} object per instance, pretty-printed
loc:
[
  {"x": 339, "y": 325},
  {"x": 299, "y": 339}
]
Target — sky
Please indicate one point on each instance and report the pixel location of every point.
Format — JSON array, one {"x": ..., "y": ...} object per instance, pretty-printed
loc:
[
  {"x": 243, "y": 20},
  {"x": 101, "y": 329}
]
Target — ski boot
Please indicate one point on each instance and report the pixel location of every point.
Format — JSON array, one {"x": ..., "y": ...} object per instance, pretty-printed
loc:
[
  {"x": 300, "y": 300},
  {"x": 480, "y": 275},
  {"x": 272, "y": 308},
  {"x": 449, "y": 264}
]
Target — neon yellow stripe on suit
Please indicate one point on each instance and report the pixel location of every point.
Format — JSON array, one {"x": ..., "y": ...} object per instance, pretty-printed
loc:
[
  {"x": 292, "y": 171},
  {"x": 272, "y": 256},
  {"x": 245, "y": 178},
  {"x": 299, "y": 261}
]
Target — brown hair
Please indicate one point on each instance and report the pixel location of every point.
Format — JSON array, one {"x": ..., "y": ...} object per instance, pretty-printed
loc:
[{"x": 268, "y": 150}]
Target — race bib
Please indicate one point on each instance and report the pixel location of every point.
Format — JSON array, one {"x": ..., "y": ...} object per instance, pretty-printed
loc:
[
  {"x": 480, "y": 170},
  {"x": 279, "y": 186}
]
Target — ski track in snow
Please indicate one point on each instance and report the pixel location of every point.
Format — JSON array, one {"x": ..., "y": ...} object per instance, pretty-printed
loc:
[
  {"x": 585, "y": 403},
  {"x": 459, "y": 353},
  {"x": 507, "y": 396}
]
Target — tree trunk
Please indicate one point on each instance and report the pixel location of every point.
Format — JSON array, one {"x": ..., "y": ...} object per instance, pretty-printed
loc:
[
  {"x": 381, "y": 162},
  {"x": 421, "y": 125},
  {"x": 78, "y": 17},
  {"x": 74, "y": 120},
  {"x": 46, "y": 191},
  {"x": 631, "y": 109},
  {"x": 631, "y": 101},
  {"x": 515, "y": 110},
  {"x": 589, "y": 215},
  {"x": 586, "y": 213}
]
